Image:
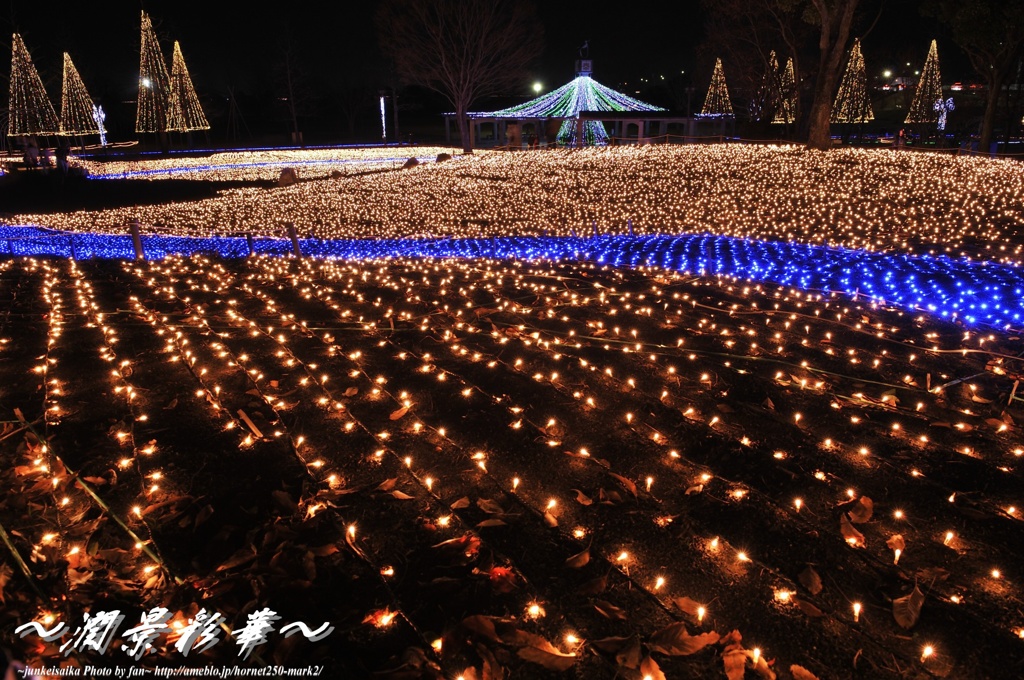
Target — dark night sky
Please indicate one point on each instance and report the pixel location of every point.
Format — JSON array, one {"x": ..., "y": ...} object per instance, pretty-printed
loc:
[{"x": 230, "y": 43}]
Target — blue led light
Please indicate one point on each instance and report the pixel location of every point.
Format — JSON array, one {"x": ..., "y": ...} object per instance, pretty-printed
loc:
[{"x": 973, "y": 292}]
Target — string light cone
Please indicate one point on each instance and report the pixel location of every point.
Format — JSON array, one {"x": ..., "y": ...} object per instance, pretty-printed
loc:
[
  {"x": 185, "y": 112},
  {"x": 76, "y": 107},
  {"x": 717, "y": 103},
  {"x": 582, "y": 94},
  {"x": 786, "y": 95},
  {"x": 852, "y": 104},
  {"x": 30, "y": 110},
  {"x": 769, "y": 98},
  {"x": 154, "y": 83},
  {"x": 929, "y": 90}
]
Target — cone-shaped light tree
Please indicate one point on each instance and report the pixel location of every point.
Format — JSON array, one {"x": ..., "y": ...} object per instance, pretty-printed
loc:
[
  {"x": 185, "y": 113},
  {"x": 717, "y": 103},
  {"x": 154, "y": 83},
  {"x": 929, "y": 90},
  {"x": 29, "y": 109},
  {"x": 768, "y": 99},
  {"x": 852, "y": 104},
  {"x": 785, "y": 112},
  {"x": 76, "y": 112}
]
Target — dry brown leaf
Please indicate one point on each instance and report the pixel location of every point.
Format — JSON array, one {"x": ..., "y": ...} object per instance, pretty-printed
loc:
[
  {"x": 550, "y": 520},
  {"x": 689, "y": 606},
  {"x": 461, "y": 503},
  {"x": 625, "y": 482},
  {"x": 907, "y": 609},
  {"x": 801, "y": 673},
  {"x": 850, "y": 533},
  {"x": 491, "y": 523},
  {"x": 896, "y": 542},
  {"x": 734, "y": 659},
  {"x": 762, "y": 668},
  {"x": 649, "y": 668},
  {"x": 629, "y": 655},
  {"x": 395, "y": 415},
  {"x": 674, "y": 640},
  {"x": 613, "y": 645},
  {"x": 862, "y": 510},
  {"x": 809, "y": 579},
  {"x": 809, "y": 608},
  {"x": 609, "y": 610},
  {"x": 352, "y": 391},
  {"x": 401, "y": 495},
  {"x": 482, "y": 626},
  {"x": 387, "y": 484},
  {"x": 540, "y": 651},
  {"x": 578, "y": 560},
  {"x": 595, "y": 586},
  {"x": 242, "y": 556},
  {"x": 489, "y": 506},
  {"x": 582, "y": 498}
]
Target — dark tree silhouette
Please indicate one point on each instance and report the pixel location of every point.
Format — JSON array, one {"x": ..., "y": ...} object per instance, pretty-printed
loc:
[
  {"x": 462, "y": 49},
  {"x": 835, "y": 20},
  {"x": 991, "y": 32}
]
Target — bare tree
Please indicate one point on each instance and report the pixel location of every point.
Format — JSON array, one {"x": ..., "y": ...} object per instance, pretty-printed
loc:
[
  {"x": 462, "y": 49},
  {"x": 836, "y": 19}
]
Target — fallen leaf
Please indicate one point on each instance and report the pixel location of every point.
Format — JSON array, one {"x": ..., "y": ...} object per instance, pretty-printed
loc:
[
  {"x": 550, "y": 520},
  {"x": 850, "y": 533},
  {"x": 801, "y": 673},
  {"x": 689, "y": 606},
  {"x": 489, "y": 506},
  {"x": 694, "y": 489},
  {"x": 542, "y": 652},
  {"x": 907, "y": 609},
  {"x": 629, "y": 655},
  {"x": 493, "y": 522},
  {"x": 395, "y": 415},
  {"x": 246, "y": 554},
  {"x": 595, "y": 586},
  {"x": 734, "y": 659},
  {"x": 482, "y": 626},
  {"x": 627, "y": 483},
  {"x": 862, "y": 510},
  {"x": 896, "y": 542},
  {"x": 609, "y": 610},
  {"x": 674, "y": 640},
  {"x": 400, "y": 495},
  {"x": 387, "y": 484},
  {"x": 809, "y": 608},
  {"x": 649, "y": 668},
  {"x": 809, "y": 579},
  {"x": 613, "y": 645},
  {"x": 352, "y": 391},
  {"x": 582, "y": 498},
  {"x": 461, "y": 503},
  {"x": 578, "y": 560}
]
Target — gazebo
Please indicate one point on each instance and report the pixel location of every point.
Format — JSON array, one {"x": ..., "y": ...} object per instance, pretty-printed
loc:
[{"x": 583, "y": 112}]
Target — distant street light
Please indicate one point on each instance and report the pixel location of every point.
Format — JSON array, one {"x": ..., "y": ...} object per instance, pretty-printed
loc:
[
  {"x": 887, "y": 74},
  {"x": 537, "y": 87}
]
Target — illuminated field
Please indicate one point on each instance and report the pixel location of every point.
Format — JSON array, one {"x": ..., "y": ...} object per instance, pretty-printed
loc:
[
  {"x": 577, "y": 452},
  {"x": 713, "y": 447},
  {"x": 259, "y": 165},
  {"x": 879, "y": 200}
]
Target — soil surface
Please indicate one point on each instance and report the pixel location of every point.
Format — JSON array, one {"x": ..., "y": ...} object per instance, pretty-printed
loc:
[{"x": 503, "y": 469}]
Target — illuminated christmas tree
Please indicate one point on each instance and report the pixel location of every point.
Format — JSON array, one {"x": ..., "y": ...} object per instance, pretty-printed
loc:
[
  {"x": 76, "y": 108},
  {"x": 717, "y": 103},
  {"x": 154, "y": 84},
  {"x": 768, "y": 99},
  {"x": 786, "y": 95},
  {"x": 582, "y": 94},
  {"x": 185, "y": 113},
  {"x": 29, "y": 109},
  {"x": 929, "y": 90},
  {"x": 852, "y": 104}
]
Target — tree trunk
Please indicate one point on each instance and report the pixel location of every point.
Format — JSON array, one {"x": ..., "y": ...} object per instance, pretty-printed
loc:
[
  {"x": 991, "y": 105},
  {"x": 463, "y": 119},
  {"x": 832, "y": 47}
]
